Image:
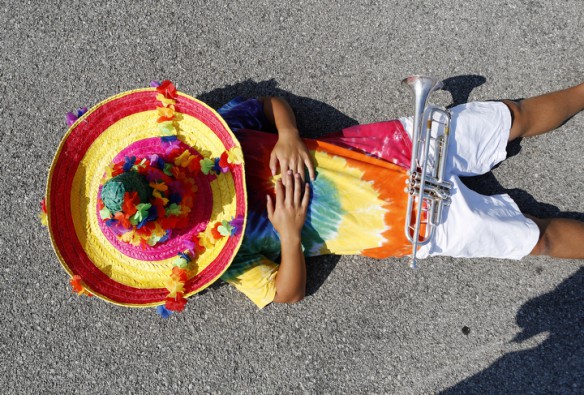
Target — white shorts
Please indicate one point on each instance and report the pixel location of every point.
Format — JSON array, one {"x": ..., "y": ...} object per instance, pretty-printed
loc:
[{"x": 474, "y": 225}]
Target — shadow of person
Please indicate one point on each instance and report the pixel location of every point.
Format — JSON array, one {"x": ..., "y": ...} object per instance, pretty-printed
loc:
[
  {"x": 314, "y": 118},
  {"x": 557, "y": 364},
  {"x": 554, "y": 366},
  {"x": 461, "y": 86},
  {"x": 487, "y": 184}
]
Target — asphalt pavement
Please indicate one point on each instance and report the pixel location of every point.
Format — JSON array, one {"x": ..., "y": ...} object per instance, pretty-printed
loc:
[{"x": 368, "y": 326}]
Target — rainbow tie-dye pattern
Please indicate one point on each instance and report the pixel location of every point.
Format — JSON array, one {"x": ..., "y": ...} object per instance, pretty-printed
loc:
[{"x": 357, "y": 203}]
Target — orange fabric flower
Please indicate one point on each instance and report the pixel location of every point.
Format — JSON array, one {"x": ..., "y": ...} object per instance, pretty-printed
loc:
[
  {"x": 123, "y": 219},
  {"x": 179, "y": 274},
  {"x": 215, "y": 231},
  {"x": 76, "y": 284},
  {"x": 158, "y": 186},
  {"x": 165, "y": 113}
]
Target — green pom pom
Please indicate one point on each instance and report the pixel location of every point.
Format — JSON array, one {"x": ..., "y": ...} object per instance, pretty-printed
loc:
[{"x": 112, "y": 193}]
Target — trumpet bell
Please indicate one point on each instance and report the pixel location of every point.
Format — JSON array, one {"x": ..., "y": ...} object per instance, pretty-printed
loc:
[{"x": 422, "y": 85}]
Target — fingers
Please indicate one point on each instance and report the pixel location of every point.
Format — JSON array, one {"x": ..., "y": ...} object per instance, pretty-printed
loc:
[
  {"x": 279, "y": 194},
  {"x": 295, "y": 161},
  {"x": 297, "y": 189},
  {"x": 306, "y": 197},
  {"x": 270, "y": 207},
  {"x": 300, "y": 170},
  {"x": 289, "y": 191},
  {"x": 310, "y": 167},
  {"x": 285, "y": 167},
  {"x": 289, "y": 187},
  {"x": 273, "y": 163},
  {"x": 291, "y": 204}
]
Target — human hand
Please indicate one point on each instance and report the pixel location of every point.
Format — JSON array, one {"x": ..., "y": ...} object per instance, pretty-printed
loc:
[
  {"x": 289, "y": 212},
  {"x": 290, "y": 153}
]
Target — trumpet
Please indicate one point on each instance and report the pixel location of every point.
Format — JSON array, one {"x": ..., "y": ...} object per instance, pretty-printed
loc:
[{"x": 428, "y": 191}]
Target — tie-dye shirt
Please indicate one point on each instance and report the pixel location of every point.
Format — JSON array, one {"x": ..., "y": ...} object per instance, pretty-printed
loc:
[{"x": 357, "y": 203}]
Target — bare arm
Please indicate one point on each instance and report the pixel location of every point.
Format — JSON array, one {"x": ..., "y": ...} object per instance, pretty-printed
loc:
[
  {"x": 288, "y": 215},
  {"x": 290, "y": 152}
]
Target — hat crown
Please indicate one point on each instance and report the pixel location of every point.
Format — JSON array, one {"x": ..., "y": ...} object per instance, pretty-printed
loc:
[{"x": 113, "y": 191}]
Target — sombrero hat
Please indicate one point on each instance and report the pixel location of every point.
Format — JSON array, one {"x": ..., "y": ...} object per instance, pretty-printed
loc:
[{"x": 146, "y": 199}]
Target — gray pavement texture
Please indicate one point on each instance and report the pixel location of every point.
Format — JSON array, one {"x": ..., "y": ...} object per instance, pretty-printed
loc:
[{"x": 458, "y": 326}]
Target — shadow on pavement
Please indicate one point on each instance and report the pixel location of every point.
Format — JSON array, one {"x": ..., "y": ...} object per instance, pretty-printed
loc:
[
  {"x": 554, "y": 366},
  {"x": 487, "y": 184},
  {"x": 314, "y": 117},
  {"x": 557, "y": 364},
  {"x": 317, "y": 271},
  {"x": 461, "y": 86}
]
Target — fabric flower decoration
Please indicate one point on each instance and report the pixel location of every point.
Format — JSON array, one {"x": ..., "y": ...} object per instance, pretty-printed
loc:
[
  {"x": 207, "y": 165},
  {"x": 167, "y": 128},
  {"x": 176, "y": 303},
  {"x": 168, "y": 89},
  {"x": 165, "y": 101},
  {"x": 77, "y": 286},
  {"x": 221, "y": 166},
  {"x": 72, "y": 117},
  {"x": 235, "y": 156},
  {"x": 163, "y": 311},
  {"x": 225, "y": 228},
  {"x": 179, "y": 274},
  {"x": 237, "y": 224},
  {"x": 165, "y": 114},
  {"x": 43, "y": 214},
  {"x": 174, "y": 286}
]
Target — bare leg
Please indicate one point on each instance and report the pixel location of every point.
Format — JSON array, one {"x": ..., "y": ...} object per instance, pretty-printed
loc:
[
  {"x": 560, "y": 238},
  {"x": 544, "y": 113}
]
